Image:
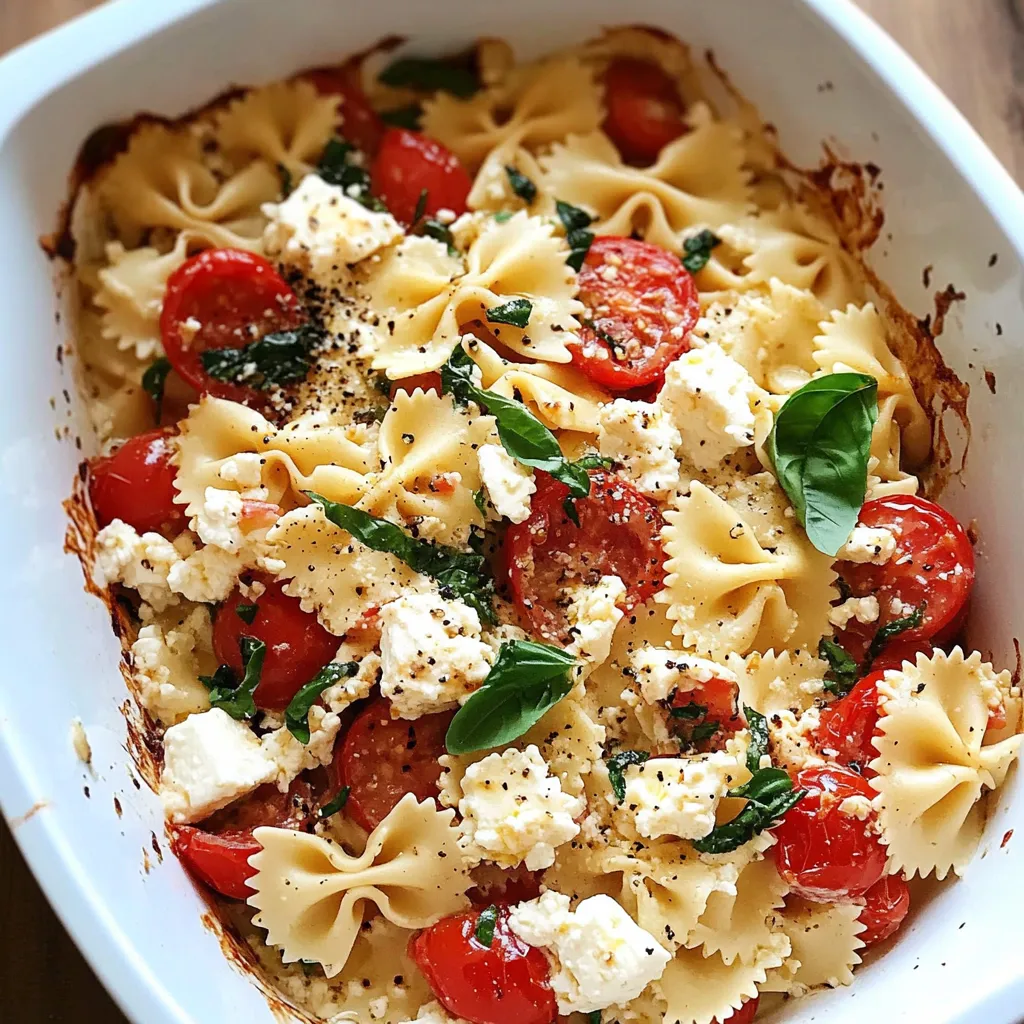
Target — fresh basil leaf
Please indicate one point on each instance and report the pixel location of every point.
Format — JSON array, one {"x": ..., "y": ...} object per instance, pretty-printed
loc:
[
  {"x": 484, "y": 931},
  {"x": 338, "y": 166},
  {"x": 404, "y": 117},
  {"x": 335, "y": 805},
  {"x": 154, "y": 379},
  {"x": 704, "y": 731},
  {"x": 237, "y": 700},
  {"x": 594, "y": 1017},
  {"x": 433, "y": 228},
  {"x": 843, "y": 672},
  {"x": 593, "y": 461},
  {"x": 223, "y": 679},
  {"x": 758, "y": 726},
  {"x": 425, "y": 74},
  {"x": 460, "y": 574},
  {"x": 893, "y": 629},
  {"x": 617, "y": 766},
  {"x": 296, "y": 715},
  {"x": 515, "y": 312},
  {"x": 570, "y": 509},
  {"x": 503, "y": 215},
  {"x": 521, "y": 184},
  {"x": 421, "y": 206},
  {"x": 575, "y": 221},
  {"x": 287, "y": 184},
  {"x": 691, "y": 710},
  {"x": 572, "y": 217},
  {"x": 480, "y": 500},
  {"x": 247, "y": 612},
  {"x": 526, "y": 679},
  {"x": 819, "y": 447},
  {"x": 277, "y": 358},
  {"x": 697, "y": 250}
]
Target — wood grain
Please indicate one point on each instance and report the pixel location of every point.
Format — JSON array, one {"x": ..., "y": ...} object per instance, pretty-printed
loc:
[{"x": 974, "y": 51}]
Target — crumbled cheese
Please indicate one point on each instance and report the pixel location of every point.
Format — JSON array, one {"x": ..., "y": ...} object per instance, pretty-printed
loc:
[
  {"x": 357, "y": 687},
  {"x": 593, "y": 614},
  {"x": 508, "y": 483},
  {"x": 432, "y": 656},
  {"x": 434, "y": 1013},
  {"x": 207, "y": 576},
  {"x": 321, "y": 229},
  {"x": 378, "y": 1007},
  {"x": 857, "y": 806},
  {"x": 867, "y": 544},
  {"x": 900, "y": 609},
  {"x": 792, "y": 739},
  {"x": 80, "y": 742},
  {"x": 513, "y": 810},
  {"x": 863, "y": 609},
  {"x": 245, "y": 470},
  {"x": 165, "y": 667},
  {"x": 661, "y": 671},
  {"x": 711, "y": 400},
  {"x": 292, "y": 757},
  {"x": 218, "y": 521},
  {"x": 678, "y": 796},
  {"x": 643, "y": 440},
  {"x": 600, "y": 956},
  {"x": 141, "y": 562},
  {"x": 209, "y": 761}
]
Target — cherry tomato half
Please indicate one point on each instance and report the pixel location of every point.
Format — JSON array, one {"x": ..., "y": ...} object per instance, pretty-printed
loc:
[
  {"x": 847, "y": 726},
  {"x": 886, "y": 904},
  {"x": 823, "y": 853},
  {"x": 297, "y": 645},
  {"x": 223, "y": 298},
  {"x": 408, "y": 163},
  {"x": 645, "y": 111},
  {"x": 641, "y": 304},
  {"x": 359, "y": 121},
  {"x": 136, "y": 484},
  {"x": 507, "y": 982},
  {"x": 744, "y": 1015},
  {"x": 618, "y": 535},
  {"x": 714, "y": 703},
  {"x": 381, "y": 759},
  {"x": 898, "y": 651}
]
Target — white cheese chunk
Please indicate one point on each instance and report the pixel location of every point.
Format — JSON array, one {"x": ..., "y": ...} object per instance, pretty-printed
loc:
[
  {"x": 867, "y": 544},
  {"x": 139, "y": 561},
  {"x": 290, "y": 757},
  {"x": 508, "y": 483},
  {"x": 857, "y": 806},
  {"x": 513, "y": 810},
  {"x": 209, "y": 761},
  {"x": 863, "y": 609},
  {"x": 218, "y": 522},
  {"x": 660, "y": 671},
  {"x": 432, "y": 656},
  {"x": 593, "y": 614},
  {"x": 600, "y": 956},
  {"x": 207, "y": 576},
  {"x": 643, "y": 440},
  {"x": 792, "y": 739},
  {"x": 434, "y": 1013},
  {"x": 245, "y": 471}
]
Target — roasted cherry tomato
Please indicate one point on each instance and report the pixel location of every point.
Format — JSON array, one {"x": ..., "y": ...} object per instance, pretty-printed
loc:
[
  {"x": 618, "y": 535},
  {"x": 645, "y": 111},
  {"x": 847, "y": 726},
  {"x": 825, "y": 853},
  {"x": 409, "y": 163},
  {"x": 507, "y": 982},
  {"x": 898, "y": 651},
  {"x": 708, "y": 714},
  {"x": 223, "y": 298},
  {"x": 136, "y": 484},
  {"x": 297, "y": 645},
  {"x": 381, "y": 759},
  {"x": 641, "y": 304},
  {"x": 886, "y": 904},
  {"x": 360, "y": 124},
  {"x": 744, "y": 1015},
  {"x": 933, "y": 565}
]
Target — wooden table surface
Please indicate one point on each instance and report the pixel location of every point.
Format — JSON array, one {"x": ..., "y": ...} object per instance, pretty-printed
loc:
[{"x": 975, "y": 51}]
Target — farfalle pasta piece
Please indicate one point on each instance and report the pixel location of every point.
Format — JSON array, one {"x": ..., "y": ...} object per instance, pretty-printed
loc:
[
  {"x": 770, "y": 682},
  {"x": 933, "y": 763},
  {"x": 492, "y": 187},
  {"x": 697, "y": 181},
  {"x": 885, "y": 473},
  {"x": 425, "y": 298},
  {"x": 288, "y": 124},
  {"x": 645, "y": 44},
  {"x": 310, "y": 894}
]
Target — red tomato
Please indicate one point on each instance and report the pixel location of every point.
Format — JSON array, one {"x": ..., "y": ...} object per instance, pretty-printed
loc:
[
  {"x": 507, "y": 982},
  {"x": 645, "y": 111},
  {"x": 136, "y": 484},
  {"x": 618, "y": 535},
  {"x": 934, "y": 563},
  {"x": 744, "y": 1015},
  {"x": 297, "y": 645},
  {"x": 898, "y": 651},
  {"x": 824, "y": 854},
  {"x": 886, "y": 904},
  {"x": 720, "y": 700},
  {"x": 406, "y": 164},
  {"x": 847, "y": 726},
  {"x": 381, "y": 759},
  {"x": 359, "y": 121},
  {"x": 259, "y": 515},
  {"x": 641, "y": 304},
  {"x": 235, "y": 297},
  {"x": 424, "y": 381}
]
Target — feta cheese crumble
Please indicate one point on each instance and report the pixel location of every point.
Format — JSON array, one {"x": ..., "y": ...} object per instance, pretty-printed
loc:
[
  {"x": 593, "y": 614},
  {"x": 290, "y": 757},
  {"x": 508, "y": 483},
  {"x": 660, "y": 671},
  {"x": 643, "y": 440},
  {"x": 218, "y": 521},
  {"x": 863, "y": 609},
  {"x": 867, "y": 544}
]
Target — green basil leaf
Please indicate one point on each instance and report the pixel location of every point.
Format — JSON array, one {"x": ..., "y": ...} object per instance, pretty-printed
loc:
[
  {"x": 433, "y": 228},
  {"x": 503, "y": 215},
  {"x": 335, "y": 805},
  {"x": 521, "y": 184},
  {"x": 758, "y": 726},
  {"x": 460, "y": 574},
  {"x": 572, "y": 217},
  {"x": 296, "y": 715},
  {"x": 425, "y": 74},
  {"x": 515, "y": 312},
  {"x": 892, "y": 629},
  {"x": 480, "y": 500},
  {"x": 843, "y": 672},
  {"x": 247, "y": 612},
  {"x": 691, "y": 710},
  {"x": 594, "y": 1017},
  {"x": 617, "y": 766},
  {"x": 769, "y": 796},
  {"x": 819, "y": 446},
  {"x": 338, "y": 166},
  {"x": 154, "y": 379},
  {"x": 421, "y": 206},
  {"x": 277, "y": 358},
  {"x": 570, "y": 509},
  {"x": 237, "y": 700},
  {"x": 575, "y": 221},
  {"x": 704, "y": 731},
  {"x": 484, "y": 931},
  {"x": 526, "y": 679},
  {"x": 404, "y": 117},
  {"x": 697, "y": 250}
]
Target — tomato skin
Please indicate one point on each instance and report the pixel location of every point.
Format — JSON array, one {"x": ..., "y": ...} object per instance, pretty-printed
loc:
[
  {"x": 381, "y": 759},
  {"x": 898, "y": 651},
  {"x": 848, "y": 725},
  {"x": 505, "y": 983},
  {"x": 744, "y": 1015},
  {"x": 886, "y": 904},
  {"x": 406, "y": 164},
  {"x": 618, "y": 535},
  {"x": 430, "y": 381},
  {"x": 359, "y": 121},
  {"x": 640, "y": 295},
  {"x": 721, "y": 699},
  {"x": 236, "y": 297},
  {"x": 297, "y": 645},
  {"x": 823, "y": 854},
  {"x": 645, "y": 112},
  {"x": 136, "y": 484}
]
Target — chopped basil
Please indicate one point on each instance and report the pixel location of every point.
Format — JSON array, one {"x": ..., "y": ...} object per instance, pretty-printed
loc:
[
  {"x": 697, "y": 250},
  {"x": 575, "y": 221},
  {"x": 480, "y": 500},
  {"x": 594, "y": 1017},
  {"x": 691, "y": 710},
  {"x": 758, "y": 726},
  {"x": 842, "y": 672},
  {"x": 521, "y": 184},
  {"x": 296, "y": 715},
  {"x": 570, "y": 509},
  {"x": 892, "y": 629},
  {"x": 247, "y": 612},
  {"x": 819, "y": 447},
  {"x": 335, "y": 805},
  {"x": 421, "y": 206},
  {"x": 287, "y": 184},
  {"x": 154, "y": 379},
  {"x": 280, "y": 357},
  {"x": 515, "y": 312},
  {"x": 484, "y": 932},
  {"x": 617, "y": 766},
  {"x": 425, "y": 74},
  {"x": 236, "y": 698},
  {"x": 338, "y": 166},
  {"x": 615, "y": 347},
  {"x": 526, "y": 679},
  {"x": 404, "y": 117},
  {"x": 433, "y": 228},
  {"x": 460, "y": 574},
  {"x": 503, "y": 215},
  {"x": 704, "y": 731}
]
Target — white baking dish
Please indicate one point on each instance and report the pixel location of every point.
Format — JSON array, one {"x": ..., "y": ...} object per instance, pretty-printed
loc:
[{"x": 818, "y": 69}]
